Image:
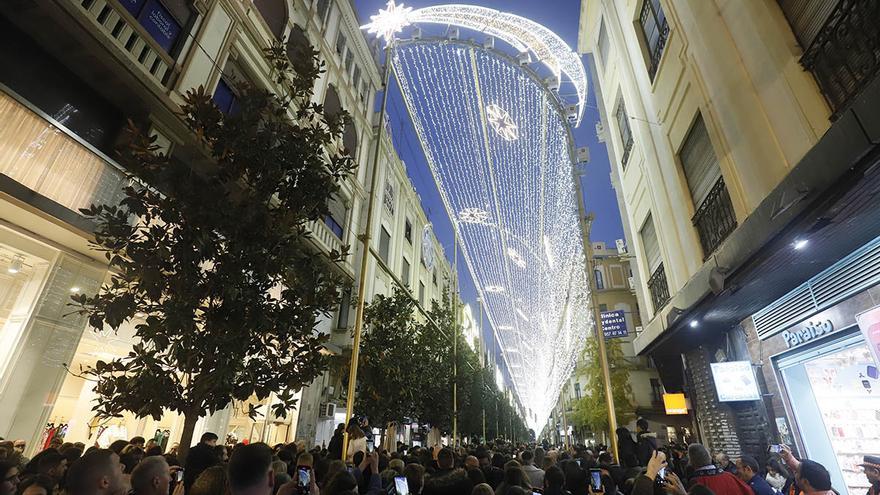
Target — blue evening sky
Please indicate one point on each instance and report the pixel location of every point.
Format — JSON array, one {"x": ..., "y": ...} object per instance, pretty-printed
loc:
[{"x": 560, "y": 16}]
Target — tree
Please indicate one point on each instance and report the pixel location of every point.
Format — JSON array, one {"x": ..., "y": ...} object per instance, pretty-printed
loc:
[
  {"x": 386, "y": 391},
  {"x": 214, "y": 254},
  {"x": 591, "y": 410},
  {"x": 434, "y": 375}
]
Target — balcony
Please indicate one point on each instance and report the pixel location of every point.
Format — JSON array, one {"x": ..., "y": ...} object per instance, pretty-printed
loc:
[
  {"x": 845, "y": 54},
  {"x": 715, "y": 218},
  {"x": 658, "y": 288}
]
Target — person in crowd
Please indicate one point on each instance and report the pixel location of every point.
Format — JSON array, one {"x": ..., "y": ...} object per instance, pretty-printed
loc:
[
  {"x": 200, "y": 457},
  {"x": 482, "y": 489},
  {"x": 492, "y": 474},
  {"x": 535, "y": 474},
  {"x": 131, "y": 457},
  {"x": 722, "y": 461},
  {"x": 53, "y": 465},
  {"x": 513, "y": 476},
  {"x": 334, "y": 449},
  {"x": 118, "y": 446},
  {"x": 554, "y": 482},
  {"x": 138, "y": 442},
  {"x": 37, "y": 485},
  {"x": 152, "y": 476},
  {"x": 212, "y": 481},
  {"x": 810, "y": 478},
  {"x": 281, "y": 473},
  {"x": 747, "y": 469},
  {"x": 415, "y": 477},
  {"x": 540, "y": 455},
  {"x": 777, "y": 474},
  {"x": 472, "y": 467},
  {"x": 9, "y": 477},
  {"x": 357, "y": 442},
  {"x": 871, "y": 466},
  {"x": 627, "y": 448},
  {"x": 18, "y": 447},
  {"x": 647, "y": 442},
  {"x": 98, "y": 472},
  {"x": 250, "y": 470},
  {"x": 705, "y": 473},
  {"x": 446, "y": 480}
]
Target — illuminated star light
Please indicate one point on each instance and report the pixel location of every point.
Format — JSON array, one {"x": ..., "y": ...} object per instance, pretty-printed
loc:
[
  {"x": 389, "y": 21},
  {"x": 473, "y": 215},
  {"x": 501, "y": 122}
]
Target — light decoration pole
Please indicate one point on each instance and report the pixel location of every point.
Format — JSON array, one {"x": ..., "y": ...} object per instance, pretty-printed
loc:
[{"x": 498, "y": 144}]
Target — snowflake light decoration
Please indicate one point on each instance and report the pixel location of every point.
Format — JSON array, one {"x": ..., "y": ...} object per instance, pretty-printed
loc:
[
  {"x": 501, "y": 122},
  {"x": 516, "y": 257},
  {"x": 494, "y": 289},
  {"x": 389, "y": 21},
  {"x": 473, "y": 215}
]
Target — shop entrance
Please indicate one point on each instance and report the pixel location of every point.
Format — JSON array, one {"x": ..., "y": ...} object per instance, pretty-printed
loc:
[{"x": 833, "y": 389}]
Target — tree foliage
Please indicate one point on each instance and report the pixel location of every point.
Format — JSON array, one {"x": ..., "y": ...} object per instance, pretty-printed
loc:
[
  {"x": 213, "y": 256},
  {"x": 591, "y": 411}
]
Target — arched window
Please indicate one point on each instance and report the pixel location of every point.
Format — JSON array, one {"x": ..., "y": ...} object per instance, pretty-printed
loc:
[
  {"x": 600, "y": 282},
  {"x": 350, "y": 138},
  {"x": 299, "y": 50},
  {"x": 332, "y": 108},
  {"x": 332, "y": 104},
  {"x": 274, "y": 12}
]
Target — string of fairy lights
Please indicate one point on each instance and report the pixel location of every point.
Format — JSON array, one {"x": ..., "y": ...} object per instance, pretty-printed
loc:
[{"x": 497, "y": 146}]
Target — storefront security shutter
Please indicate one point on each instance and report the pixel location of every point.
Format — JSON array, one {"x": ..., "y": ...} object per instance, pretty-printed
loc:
[
  {"x": 806, "y": 17},
  {"x": 651, "y": 244},
  {"x": 699, "y": 162}
]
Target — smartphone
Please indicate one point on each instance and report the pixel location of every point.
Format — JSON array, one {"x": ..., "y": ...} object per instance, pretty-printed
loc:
[
  {"x": 400, "y": 485},
  {"x": 305, "y": 477},
  {"x": 578, "y": 460},
  {"x": 775, "y": 449},
  {"x": 178, "y": 476},
  {"x": 662, "y": 473},
  {"x": 596, "y": 479}
]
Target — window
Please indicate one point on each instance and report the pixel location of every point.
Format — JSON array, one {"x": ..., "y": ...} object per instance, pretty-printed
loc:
[
  {"x": 407, "y": 231},
  {"x": 604, "y": 45},
  {"x": 421, "y": 293},
  {"x": 384, "y": 244},
  {"x": 603, "y": 308},
  {"x": 807, "y": 18},
  {"x": 340, "y": 43},
  {"x": 404, "y": 273},
  {"x": 657, "y": 284},
  {"x": 226, "y": 93},
  {"x": 335, "y": 220},
  {"x": 349, "y": 61},
  {"x": 389, "y": 197},
  {"x": 356, "y": 77},
  {"x": 323, "y": 8},
  {"x": 626, "y": 138},
  {"x": 274, "y": 12},
  {"x": 650, "y": 244},
  {"x": 600, "y": 282},
  {"x": 655, "y": 30},
  {"x": 656, "y": 391},
  {"x": 714, "y": 217},
  {"x": 577, "y": 390},
  {"x": 344, "y": 309},
  {"x": 162, "y": 19},
  {"x": 434, "y": 277}
]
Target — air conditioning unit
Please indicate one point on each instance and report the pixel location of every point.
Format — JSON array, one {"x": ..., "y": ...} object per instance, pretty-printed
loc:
[
  {"x": 454, "y": 34},
  {"x": 524, "y": 58},
  {"x": 327, "y": 410},
  {"x": 639, "y": 330},
  {"x": 489, "y": 43},
  {"x": 632, "y": 283},
  {"x": 571, "y": 112},
  {"x": 621, "y": 246},
  {"x": 417, "y": 34},
  {"x": 583, "y": 154}
]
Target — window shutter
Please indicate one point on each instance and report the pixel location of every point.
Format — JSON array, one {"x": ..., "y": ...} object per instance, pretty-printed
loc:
[
  {"x": 806, "y": 18},
  {"x": 651, "y": 244},
  {"x": 699, "y": 162}
]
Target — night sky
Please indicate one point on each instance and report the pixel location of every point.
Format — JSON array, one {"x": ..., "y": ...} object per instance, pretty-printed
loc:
[{"x": 560, "y": 16}]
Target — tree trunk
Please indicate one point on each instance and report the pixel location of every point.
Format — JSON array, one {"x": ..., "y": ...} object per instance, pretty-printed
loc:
[{"x": 189, "y": 427}]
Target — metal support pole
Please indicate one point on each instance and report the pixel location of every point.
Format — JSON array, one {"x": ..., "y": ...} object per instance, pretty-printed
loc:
[
  {"x": 586, "y": 224},
  {"x": 365, "y": 256}
]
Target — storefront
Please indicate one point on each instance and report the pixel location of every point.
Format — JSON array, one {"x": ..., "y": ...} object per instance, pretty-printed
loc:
[{"x": 822, "y": 379}]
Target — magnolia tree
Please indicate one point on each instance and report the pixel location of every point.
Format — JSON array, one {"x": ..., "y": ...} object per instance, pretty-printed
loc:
[
  {"x": 212, "y": 255},
  {"x": 591, "y": 411}
]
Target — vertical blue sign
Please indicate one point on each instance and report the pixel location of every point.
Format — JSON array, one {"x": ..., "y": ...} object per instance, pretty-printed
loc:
[{"x": 613, "y": 324}]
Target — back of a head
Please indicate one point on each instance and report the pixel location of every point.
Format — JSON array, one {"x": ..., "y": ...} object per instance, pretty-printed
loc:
[
  {"x": 143, "y": 474},
  {"x": 249, "y": 467},
  {"x": 606, "y": 459},
  {"x": 446, "y": 458},
  {"x": 750, "y": 462},
  {"x": 415, "y": 476},
  {"x": 515, "y": 476},
  {"x": 698, "y": 455},
  {"x": 516, "y": 490},
  {"x": 208, "y": 437},
  {"x": 342, "y": 482},
  {"x": 49, "y": 462},
  {"x": 211, "y": 481},
  {"x": 483, "y": 489},
  {"x": 528, "y": 457},
  {"x": 83, "y": 475},
  {"x": 642, "y": 424},
  {"x": 815, "y": 474},
  {"x": 554, "y": 477},
  {"x": 305, "y": 459},
  {"x": 397, "y": 465}
]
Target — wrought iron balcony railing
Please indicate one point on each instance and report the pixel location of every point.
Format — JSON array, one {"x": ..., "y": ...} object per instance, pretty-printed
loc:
[
  {"x": 715, "y": 218},
  {"x": 659, "y": 288},
  {"x": 845, "y": 54}
]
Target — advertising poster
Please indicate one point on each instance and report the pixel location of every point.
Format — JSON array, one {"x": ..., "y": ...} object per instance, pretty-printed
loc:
[
  {"x": 735, "y": 381},
  {"x": 613, "y": 324},
  {"x": 869, "y": 324}
]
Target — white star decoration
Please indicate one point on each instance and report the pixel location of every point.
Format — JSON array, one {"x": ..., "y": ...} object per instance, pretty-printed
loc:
[
  {"x": 389, "y": 21},
  {"x": 516, "y": 258},
  {"x": 502, "y": 123},
  {"x": 473, "y": 215}
]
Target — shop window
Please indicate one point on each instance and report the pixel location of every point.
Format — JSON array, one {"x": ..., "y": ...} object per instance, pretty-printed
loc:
[
  {"x": 600, "y": 282},
  {"x": 655, "y": 31},
  {"x": 404, "y": 273},
  {"x": 407, "y": 231},
  {"x": 163, "y": 20},
  {"x": 384, "y": 244},
  {"x": 274, "y": 13},
  {"x": 626, "y": 137}
]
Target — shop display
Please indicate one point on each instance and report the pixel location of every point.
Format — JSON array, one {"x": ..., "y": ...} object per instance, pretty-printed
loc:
[
  {"x": 53, "y": 432},
  {"x": 847, "y": 393}
]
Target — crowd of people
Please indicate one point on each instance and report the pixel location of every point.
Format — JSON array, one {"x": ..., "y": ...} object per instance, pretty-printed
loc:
[{"x": 496, "y": 468}]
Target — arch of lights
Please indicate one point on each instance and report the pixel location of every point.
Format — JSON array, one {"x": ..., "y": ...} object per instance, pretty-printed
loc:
[{"x": 497, "y": 142}]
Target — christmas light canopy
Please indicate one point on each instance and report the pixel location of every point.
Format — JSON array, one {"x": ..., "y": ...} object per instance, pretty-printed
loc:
[{"x": 522, "y": 34}]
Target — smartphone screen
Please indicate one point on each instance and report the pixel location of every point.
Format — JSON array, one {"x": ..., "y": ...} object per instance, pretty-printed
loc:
[
  {"x": 596, "y": 479},
  {"x": 304, "y": 477},
  {"x": 400, "y": 485},
  {"x": 179, "y": 476},
  {"x": 775, "y": 449},
  {"x": 662, "y": 473}
]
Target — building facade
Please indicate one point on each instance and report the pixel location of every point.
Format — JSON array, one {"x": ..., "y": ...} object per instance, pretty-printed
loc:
[
  {"x": 742, "y": 145},
  {"x": 84, "y": 69}
]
